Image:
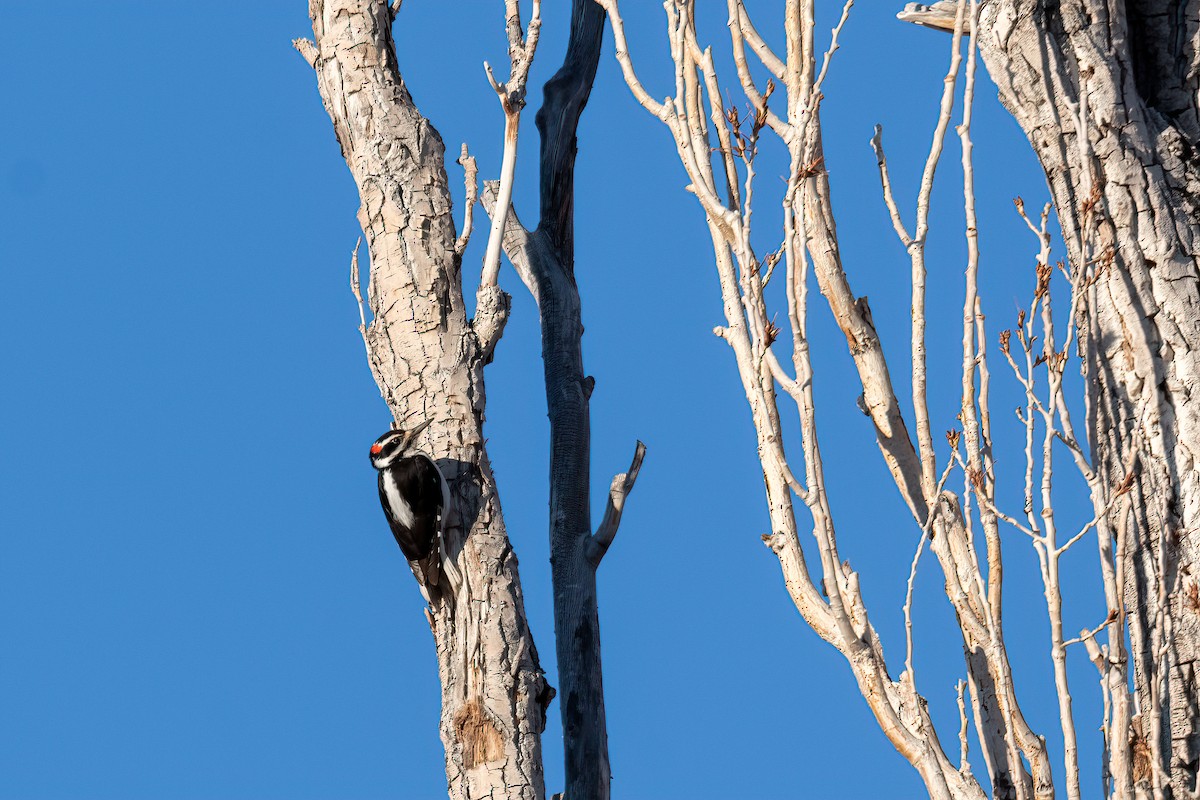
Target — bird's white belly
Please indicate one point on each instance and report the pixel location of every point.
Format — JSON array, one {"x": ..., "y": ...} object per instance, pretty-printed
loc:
[{"x": 400, "y": 509}]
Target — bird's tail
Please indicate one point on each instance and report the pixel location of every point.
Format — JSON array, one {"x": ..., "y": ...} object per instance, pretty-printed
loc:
[
  {"x": 453, "y": 578},
  {"x": 429, "y": 576}
]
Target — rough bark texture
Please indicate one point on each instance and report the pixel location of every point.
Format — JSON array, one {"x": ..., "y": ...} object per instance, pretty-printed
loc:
[
  {"x": 1107, "y": 94},
  {"x": 428, "y": 360}
]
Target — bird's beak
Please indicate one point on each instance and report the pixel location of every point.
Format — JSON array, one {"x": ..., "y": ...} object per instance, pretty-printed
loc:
[{"x": 412, "y": 435}]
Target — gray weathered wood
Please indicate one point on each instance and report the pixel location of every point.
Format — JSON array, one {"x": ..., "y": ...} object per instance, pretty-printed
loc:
[
  {"x": 568, "y": 389},
  {"x": 545, "y": 259}
]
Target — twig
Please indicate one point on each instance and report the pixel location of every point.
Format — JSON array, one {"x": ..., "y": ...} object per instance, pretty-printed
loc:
[
  {"x": 1088, "y": 634},
  {"x": 912, "y": 572},
  {"x": 990, "y": 506},
  {"x": 1086, "y": 528},
  {"x": 833, "y": 48},
  {"x": 888, "y": 198}
]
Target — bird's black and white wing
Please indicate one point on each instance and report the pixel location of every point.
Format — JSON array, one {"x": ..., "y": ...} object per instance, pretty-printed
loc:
[
  {"x": 413, "y": 497},
  {"x": 431, "y": 473}
]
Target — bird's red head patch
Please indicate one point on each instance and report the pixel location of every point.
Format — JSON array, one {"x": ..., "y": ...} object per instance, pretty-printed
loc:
[{"x": 376, "y": 448}]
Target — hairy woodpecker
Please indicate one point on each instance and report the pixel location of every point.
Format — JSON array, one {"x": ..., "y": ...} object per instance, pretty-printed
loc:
[{"x": 416, "y": 501}]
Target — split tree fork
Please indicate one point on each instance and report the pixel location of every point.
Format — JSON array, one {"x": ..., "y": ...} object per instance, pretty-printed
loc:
[{"x": 428, "y": 358}]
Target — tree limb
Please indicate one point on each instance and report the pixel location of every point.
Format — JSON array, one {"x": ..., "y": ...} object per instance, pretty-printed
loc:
[{"x": 622, "y": 485}]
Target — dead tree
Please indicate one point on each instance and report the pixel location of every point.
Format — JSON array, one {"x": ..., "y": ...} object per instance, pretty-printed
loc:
[
  {"x": 1139, "y": 462},
  {"x": 428, "y": 359},
  {"x": 545, "y": 260}
]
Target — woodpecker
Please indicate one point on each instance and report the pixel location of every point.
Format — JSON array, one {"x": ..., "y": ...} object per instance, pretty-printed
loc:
[{"x": 416, "y": 501}]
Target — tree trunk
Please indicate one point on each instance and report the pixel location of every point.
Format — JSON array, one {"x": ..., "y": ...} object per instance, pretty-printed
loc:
[
  {"x": 428, "y": 360},
  {"x": 545, "y": 260},
  {"x": 568, "y": 389},
  {"x": 1107, "y": 94}
]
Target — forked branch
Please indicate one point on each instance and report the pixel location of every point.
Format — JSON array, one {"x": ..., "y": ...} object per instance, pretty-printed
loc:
[{"x": 512, "y": 99}]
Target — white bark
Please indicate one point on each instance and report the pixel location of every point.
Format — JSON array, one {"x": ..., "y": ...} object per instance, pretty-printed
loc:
[
  {"x": 1107, "y": 95},
  {"x": 809, "y": 230},
  {"x": 428, "y": 360}
]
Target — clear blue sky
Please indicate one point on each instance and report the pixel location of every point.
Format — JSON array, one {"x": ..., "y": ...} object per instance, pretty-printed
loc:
[{"x": 199, "y": 597}]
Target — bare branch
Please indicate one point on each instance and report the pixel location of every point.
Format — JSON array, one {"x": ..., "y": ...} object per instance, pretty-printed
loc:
[
  {"x": 738, "y": 19},
  {"x": 492, "y": 304},
  {"x": 1083, "y": 532},
  {"x": 833, "y": 48},
  {"x": 622, "y": 485},
  {"x": 517, "y": 241},
  {"x": 491, "y": 258},
  {"x": 917, "y": 254},
  {"x": 660, "y": 110},
  {"x": 750, "y": 330},
  {"x": 1089, "y": 634},
  {"x": 912, "y": 574},
  {"x": 986, "y": 503},
  {"x": 471, "y": 184},
  {"x": 748, "y": 32},
  {"x": 888, "y": 198},
  {"x": 963, "y": 747},
  {"x": 512, "y": 100}
]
